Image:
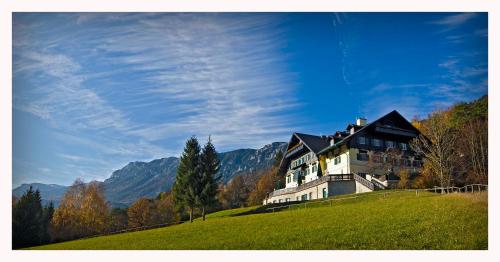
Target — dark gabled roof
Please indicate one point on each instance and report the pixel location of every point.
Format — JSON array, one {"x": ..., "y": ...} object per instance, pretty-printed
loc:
[
  {"x": 314, "y": 143},
  {"x": 347, "y": 138}
]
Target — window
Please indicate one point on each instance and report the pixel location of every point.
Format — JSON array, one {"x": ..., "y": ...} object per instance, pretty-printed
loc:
[
  {"x": 377, "y": 142},
  {"x": 279, "y": 201},
  {"x": 362, "y": 155},
  {"x": 325, "y": 194},
  {"x": 362, "y": 140},
  {"x": 314, "y": 168},
  {"x": 403, "y": 146},
  {"x": 310, "y": 195},
  {"x": 303, "y": 197},
  {"x": 389, "y": 144},
  {"x": 287, "y": 200},
  {"x": 337, "y": 160}
]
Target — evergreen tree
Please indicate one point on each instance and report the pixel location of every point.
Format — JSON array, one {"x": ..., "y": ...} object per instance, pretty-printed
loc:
[
  {"x": 187, "y": 183},
  {"x": 47, "y": 214},
  {"x": 209, "y": 180},
  {"x": 27, "y": 220}
]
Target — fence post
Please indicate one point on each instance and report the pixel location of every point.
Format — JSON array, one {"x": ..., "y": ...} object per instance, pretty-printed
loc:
[
  {"x": 435, "y": 189},
  {"x": 472, "y": 188}
]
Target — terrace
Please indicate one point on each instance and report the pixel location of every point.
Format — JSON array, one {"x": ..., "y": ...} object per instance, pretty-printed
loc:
[{"x": 321, "y": 180}]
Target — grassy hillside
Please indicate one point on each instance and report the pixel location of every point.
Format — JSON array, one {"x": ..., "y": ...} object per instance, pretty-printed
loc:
[{"x": 398, "y": 221}]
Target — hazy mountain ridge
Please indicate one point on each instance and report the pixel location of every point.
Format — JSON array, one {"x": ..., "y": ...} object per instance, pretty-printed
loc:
[
  {"x": 147, "y": 179},
  {"x": 50, "y": 192}
]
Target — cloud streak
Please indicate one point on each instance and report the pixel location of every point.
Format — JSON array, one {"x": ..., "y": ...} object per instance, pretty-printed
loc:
[
  {"x": 453, "y": 21},
  {"x": 137, "y": 85}
]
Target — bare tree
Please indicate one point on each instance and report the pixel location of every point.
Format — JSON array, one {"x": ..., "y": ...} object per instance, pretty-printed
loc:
[
  {"x": 473, "y": 146},
  {"x": 437, "y": 145}
]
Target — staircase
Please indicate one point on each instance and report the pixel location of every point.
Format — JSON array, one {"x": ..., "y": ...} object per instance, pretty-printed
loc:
[
  {"x": 372, "y": 185},
  {"x": 377, "y": 184}
]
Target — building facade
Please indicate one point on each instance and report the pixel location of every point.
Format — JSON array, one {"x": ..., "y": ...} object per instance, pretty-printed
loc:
[{"x": 362, "y": 158}]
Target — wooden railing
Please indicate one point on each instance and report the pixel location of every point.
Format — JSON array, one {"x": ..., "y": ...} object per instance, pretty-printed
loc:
[{"x": 473, "y": 188}]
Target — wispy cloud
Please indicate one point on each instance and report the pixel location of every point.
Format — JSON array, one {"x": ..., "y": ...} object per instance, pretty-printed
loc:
[
  {"x": 137, "y": 85},
  {"x": 453, "y": 21}
]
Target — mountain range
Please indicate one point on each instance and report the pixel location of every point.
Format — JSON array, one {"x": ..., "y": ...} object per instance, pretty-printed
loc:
[{"x": 147, "y": 179}]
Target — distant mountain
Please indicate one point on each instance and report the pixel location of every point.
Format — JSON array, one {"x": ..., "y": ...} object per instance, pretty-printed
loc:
[
  {"x": 140, "y": 179},
  {"x": 148, "y": 179},
  {"x": 50, "y": 192}
]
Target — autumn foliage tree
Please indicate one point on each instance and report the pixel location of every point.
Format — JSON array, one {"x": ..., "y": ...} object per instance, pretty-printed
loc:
[
  {"x": 151, "y": 212},
  {"x": 264, "y": 186},
  {"x": 454, "y": 145},
  {"x": 83, "y": 211},
  {"x": 437, "y": 145},
  {"x": 235, "y": 193},
  {"x": 142, "y": 213},
  {"x": 165, "y": 205}
]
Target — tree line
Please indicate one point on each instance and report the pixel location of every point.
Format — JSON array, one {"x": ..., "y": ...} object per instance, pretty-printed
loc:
[
  {"x": 454, "y": 145},
  {"x": 84, "y": 210}
]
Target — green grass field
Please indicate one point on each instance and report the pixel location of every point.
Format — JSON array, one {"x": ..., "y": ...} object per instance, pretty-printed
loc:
[{"x": 398, "y": 221}]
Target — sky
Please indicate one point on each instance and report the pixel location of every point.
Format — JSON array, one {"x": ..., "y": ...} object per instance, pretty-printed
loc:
[{"x": 95, "y": 91}]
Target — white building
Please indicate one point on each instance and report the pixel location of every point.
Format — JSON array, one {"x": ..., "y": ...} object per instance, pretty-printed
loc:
[{"x": 362, "y": 158}]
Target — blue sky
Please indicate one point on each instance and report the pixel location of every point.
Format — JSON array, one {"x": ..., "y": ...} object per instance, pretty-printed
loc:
[{"x": 94, "y": 91}]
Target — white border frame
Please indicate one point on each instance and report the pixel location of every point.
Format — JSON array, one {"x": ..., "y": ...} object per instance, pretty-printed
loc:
[{"x": 7, "y": 7}]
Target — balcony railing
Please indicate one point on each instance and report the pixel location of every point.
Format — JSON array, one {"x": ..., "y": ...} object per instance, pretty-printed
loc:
[{"x": 321, "y": 180}]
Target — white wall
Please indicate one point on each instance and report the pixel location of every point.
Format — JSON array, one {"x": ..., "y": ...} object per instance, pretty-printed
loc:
[
  {"x": 316, "y": 192},
  {"x": 312, "y": 175},
  {"x": 341, "y": 168}
]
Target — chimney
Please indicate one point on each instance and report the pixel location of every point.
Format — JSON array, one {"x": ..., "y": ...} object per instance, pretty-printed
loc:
[{"x": 361, "y": 121}]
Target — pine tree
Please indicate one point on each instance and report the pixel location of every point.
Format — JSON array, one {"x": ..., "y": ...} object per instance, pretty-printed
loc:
[
  {"x": 27, "y": 220},
  {"x": 209, "y": 180},
  {"x": 47, "y": 214},
  {"x": 187, "y": 183}
]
